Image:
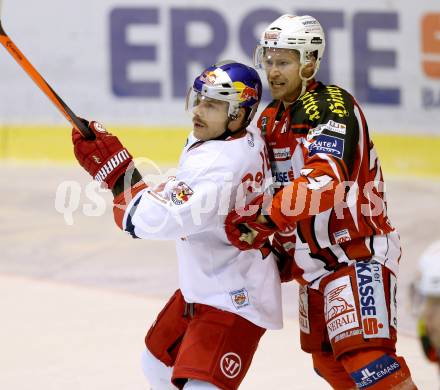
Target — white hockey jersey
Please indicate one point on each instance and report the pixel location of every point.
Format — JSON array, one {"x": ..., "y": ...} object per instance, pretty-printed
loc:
[{"x": 212, "y": 178}]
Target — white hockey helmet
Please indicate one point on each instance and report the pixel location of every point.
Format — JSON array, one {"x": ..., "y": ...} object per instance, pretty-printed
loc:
[
  {"x": 302, "y": 33},
  {"x": 429, "y": 265}
]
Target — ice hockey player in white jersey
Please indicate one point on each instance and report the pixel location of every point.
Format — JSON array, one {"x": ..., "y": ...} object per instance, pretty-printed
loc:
[
  {"x": 207, "y": 333},
  {"x": 428, "y": 303}
]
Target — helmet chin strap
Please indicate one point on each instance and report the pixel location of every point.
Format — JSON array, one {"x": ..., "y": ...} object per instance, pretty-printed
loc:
[{"x": 305, "y": 79}]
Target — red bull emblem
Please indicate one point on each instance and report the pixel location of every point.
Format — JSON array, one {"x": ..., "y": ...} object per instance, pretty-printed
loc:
[
  {"x": 208, "y": 77},
  {"x": 181, "y": 193},
  {"x": 249, "y": 93},
  {"x": 240, "y": 298}
]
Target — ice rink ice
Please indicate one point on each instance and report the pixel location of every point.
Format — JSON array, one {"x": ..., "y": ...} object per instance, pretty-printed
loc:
[{"x": 76, "y": 300}]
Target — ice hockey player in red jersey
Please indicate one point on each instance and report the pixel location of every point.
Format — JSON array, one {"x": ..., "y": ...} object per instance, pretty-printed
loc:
[
  {"x": 207, "y": 333},
  {"x": 329, "y": 214}
]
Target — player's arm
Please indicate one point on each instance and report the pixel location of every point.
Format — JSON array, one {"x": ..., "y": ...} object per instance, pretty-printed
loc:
[
  {"x": 330, "y": 151},
  {"x": 177, "y": 210},
  {"x": 329, "y": 160}
]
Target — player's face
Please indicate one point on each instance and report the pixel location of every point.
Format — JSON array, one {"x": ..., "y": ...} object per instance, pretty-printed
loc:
[
  {"x": 210, "y": 118},
  {"x": 282, "y": 71}
]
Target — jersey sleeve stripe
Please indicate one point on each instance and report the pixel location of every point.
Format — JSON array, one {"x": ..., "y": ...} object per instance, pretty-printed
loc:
[
  {"x": 123, "y": 202},
  {"x": 129, "y": 226},
  {"x": 322, "y": 235},
  {"x": 313, "y": 232}
]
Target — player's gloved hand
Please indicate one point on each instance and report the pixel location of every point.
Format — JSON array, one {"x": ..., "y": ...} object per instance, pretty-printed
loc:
[
  {"x": 104, "y": 158},
  {"x": 283, "y": 247},
  {"x": 247, "y": 228}
]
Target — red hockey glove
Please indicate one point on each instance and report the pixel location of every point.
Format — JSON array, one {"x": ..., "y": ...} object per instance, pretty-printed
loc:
[
  {"x": 104, "y": 158},
  {"x": 245, "y": 228}
]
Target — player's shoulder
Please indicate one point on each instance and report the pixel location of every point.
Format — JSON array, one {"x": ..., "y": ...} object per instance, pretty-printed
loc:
[
  {"x": 237, "y": 152},
  {"x": 216, "y": 156},
  {"x": 327, "y": 92},
  {"x": 326, "y": 101}
]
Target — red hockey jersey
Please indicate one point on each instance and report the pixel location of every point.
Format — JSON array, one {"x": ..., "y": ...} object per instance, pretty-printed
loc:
[{"x": 330, "y": 183}]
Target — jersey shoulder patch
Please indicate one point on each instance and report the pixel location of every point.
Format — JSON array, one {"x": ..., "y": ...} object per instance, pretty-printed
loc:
[
  {"x": 331, "y": 127},
  {"x": 327, "y": 144},
  {"x": 181, "y": 193}
]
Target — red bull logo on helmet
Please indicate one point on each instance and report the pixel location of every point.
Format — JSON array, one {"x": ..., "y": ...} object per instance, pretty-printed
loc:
[
  {"x": 247, "y": 93},
  {"x": 208, "y": 77}
]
